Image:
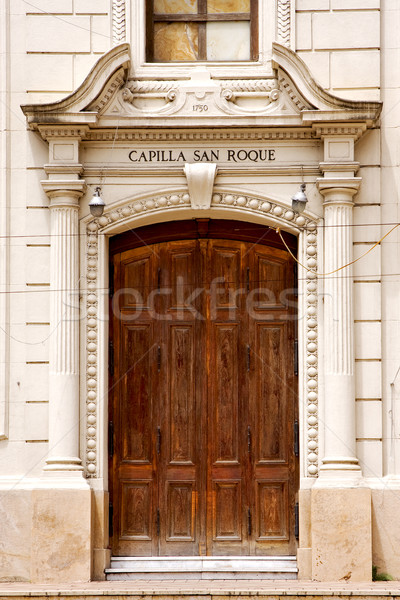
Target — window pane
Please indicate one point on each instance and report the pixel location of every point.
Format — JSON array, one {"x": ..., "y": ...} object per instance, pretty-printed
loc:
[
  {"x": 228, "y": 6},
  {"x": 167, "y": 7},
  {"x": 228, "y": 40},
  {"x": 176, "y": 41}
]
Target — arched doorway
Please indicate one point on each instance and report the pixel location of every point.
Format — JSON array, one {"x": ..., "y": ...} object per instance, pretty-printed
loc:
[{"x": 203, "y": 390}]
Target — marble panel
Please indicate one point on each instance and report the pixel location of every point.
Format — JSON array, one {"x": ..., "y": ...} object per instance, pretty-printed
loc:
[
  {"x": 101, "y": 36},
  {"x": 228, "y": 41},
  {"x": 367, "y": 301},
  {"x": 303, "y": 31},
  {"x": 70, "y": 35},
  {"x": 61, "y": 535},
  {"x": 36, "y": 421},
  {"x": 369, "y": 454},
  {"x": 368, "y": 147},
  {"x": 346, "y": 30},
  {"x": 15, "y": 547},
  {"x": 386, "y": 531},
  {"x": 368, "y": 379},
  {"x": 48, "y": 72},
  {"x": 168, "y": 7},
  {"x": 355, "y": 69},
  {"x": 369, "y": 419},
  {"x": 176, "y": 41},
  {"x": 228, "y": 6},
  {"x": 312, "y": 5},
  {"x": 367, "y": 338},
  {"x": 341, "y": 520}
]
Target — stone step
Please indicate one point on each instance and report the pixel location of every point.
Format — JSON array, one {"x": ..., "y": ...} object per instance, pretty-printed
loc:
[{"x": 208, "y": 567}]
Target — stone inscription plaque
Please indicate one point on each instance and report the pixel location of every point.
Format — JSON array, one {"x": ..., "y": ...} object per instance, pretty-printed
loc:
[{"x": 193, "y": 155}]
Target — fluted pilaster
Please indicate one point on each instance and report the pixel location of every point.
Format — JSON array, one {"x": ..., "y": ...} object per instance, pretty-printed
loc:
[
  {"x": 64, "y": 321},
  {"x": 340, "y": 435}
]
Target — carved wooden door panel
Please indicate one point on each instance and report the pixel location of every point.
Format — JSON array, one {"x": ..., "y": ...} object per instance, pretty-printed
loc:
[{"x": 203, "y": 400}]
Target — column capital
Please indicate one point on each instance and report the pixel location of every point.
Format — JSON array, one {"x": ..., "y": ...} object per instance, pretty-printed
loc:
[
  {"x": 338, "y": 190},
  {"x": 64, "y": 192}
]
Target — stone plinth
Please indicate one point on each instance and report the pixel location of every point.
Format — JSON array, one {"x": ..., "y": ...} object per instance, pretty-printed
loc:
[
  {"x": 61, "y": 535},
  {"x": 341, "y": 534}
]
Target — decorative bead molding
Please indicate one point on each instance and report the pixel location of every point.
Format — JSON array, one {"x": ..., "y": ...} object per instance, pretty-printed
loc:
[
  {"x": 118, "y": 21},
  {"x": 92, "y": 303},
  {"x": 283, "y": 22},
  {"x": 275, "y": 213}
]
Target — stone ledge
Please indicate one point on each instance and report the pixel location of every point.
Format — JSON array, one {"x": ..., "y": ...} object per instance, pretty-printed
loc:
[{"x": 199, "y": 589}]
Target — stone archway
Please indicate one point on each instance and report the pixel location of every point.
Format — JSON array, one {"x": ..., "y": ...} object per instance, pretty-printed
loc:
[{"x": 176, "y": 206}]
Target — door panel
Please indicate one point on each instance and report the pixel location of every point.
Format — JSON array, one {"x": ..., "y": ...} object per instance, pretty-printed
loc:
[
  {"x": 182, "y": 411},
  {"x": 203, "y": 399}
]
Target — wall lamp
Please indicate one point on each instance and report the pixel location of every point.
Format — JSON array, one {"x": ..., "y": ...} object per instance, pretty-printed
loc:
[
  {"x": 97, "y": 204},
  {"x": 299, "y": 200}
]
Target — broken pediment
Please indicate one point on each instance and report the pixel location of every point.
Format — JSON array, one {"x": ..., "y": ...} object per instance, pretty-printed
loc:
[{"x": 288, "y": 97}]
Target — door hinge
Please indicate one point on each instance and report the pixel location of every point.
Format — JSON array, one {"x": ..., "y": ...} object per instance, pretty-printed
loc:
[
  {"x": 158, "y": 358},
  {"x": 296, "y": 438},
  {"x": 110, "y": 520},
  {"x": 158, "y": 448},
  {"x": 296, "y": 285},
  {"x": 296, "y": 357},
  {"x": 111, "y": 358},
  {"x": 111, "y": 280},
  {"x": 249, "y": 523},
  {"x": 110, "y": 439},
  {"x": 158, "y": 522},
  {"x": 248, "y": 358},
  {"x": 296, "y": 520}
]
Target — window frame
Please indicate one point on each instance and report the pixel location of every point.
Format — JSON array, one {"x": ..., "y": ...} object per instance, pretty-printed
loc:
[{"x": 202, "y": 18}]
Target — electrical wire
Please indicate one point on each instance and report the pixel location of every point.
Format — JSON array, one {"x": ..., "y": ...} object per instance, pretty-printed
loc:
[{"x": 278, "y": 231}]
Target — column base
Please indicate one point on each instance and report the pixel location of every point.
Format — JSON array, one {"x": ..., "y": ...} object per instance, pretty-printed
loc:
[
  {"x": 63, "y": 464},
  {"x": 340, "y": 472},
  {"x": 341, "y": 534}
]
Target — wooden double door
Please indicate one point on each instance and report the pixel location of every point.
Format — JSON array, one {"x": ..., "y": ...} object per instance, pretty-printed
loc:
[{"x": 203, "y": 403}]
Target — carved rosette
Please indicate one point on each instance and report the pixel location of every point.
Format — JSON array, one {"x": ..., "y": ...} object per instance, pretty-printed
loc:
[
  {"x": 92, "y": 301},
  {"x": 278, "y": 214}
]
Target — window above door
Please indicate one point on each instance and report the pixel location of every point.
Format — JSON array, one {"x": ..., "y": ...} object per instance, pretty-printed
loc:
[{"x": 192, "y": 31}]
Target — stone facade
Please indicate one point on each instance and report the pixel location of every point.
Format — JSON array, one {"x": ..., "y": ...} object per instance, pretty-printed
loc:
[{"x": 94, "y": 113}]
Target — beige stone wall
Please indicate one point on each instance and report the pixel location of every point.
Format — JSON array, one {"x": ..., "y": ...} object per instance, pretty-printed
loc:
[
  {"x": 340, "y": 42},
  {"x": 51, "y": 47},
  {"x": 48, "y": 47}
]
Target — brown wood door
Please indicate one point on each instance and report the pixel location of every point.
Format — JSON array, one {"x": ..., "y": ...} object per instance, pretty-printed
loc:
[{"x": 203, "y": 399}]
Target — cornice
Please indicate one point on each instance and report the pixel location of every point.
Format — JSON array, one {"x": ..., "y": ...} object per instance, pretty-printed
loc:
[
  {"x": 63, "y": 131},
  {"x": 198, "y": 135},
  {"x": 291, "y": 99}
]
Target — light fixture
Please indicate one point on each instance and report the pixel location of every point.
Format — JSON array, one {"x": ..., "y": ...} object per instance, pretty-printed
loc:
[
  {"x": 97, "y": 204},
  {"x": 299, "y": 200}
]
